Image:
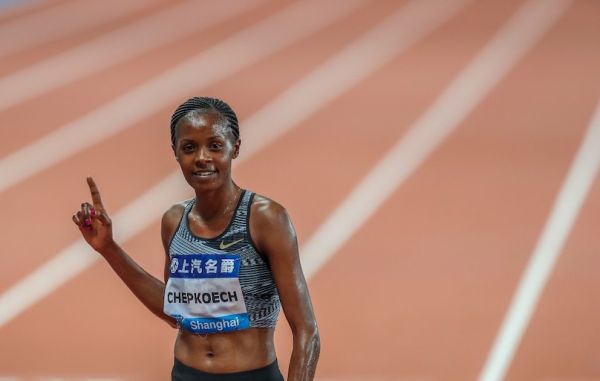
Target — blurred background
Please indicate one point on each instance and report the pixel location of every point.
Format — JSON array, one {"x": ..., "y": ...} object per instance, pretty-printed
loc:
[{"x": 438, "y": 158}]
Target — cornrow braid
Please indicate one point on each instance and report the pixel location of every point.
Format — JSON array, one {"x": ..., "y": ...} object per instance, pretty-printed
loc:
[{"x": 205, "y": 103}]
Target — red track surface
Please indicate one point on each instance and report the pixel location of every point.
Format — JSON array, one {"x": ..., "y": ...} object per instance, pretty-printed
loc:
[{"x": 420, "y": 291}]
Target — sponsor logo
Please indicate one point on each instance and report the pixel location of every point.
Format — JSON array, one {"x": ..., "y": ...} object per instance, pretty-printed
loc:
[
  {"x": 174, "y": 265},
  {"x": 224, "y": 245}
]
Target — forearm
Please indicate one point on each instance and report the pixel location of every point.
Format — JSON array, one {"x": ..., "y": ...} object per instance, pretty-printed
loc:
[
  {"x": 305, "y": 354},
  {"x": 148, "y": 289}
]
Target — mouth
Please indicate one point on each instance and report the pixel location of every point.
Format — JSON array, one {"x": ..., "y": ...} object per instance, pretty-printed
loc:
[{"x": 204, "y": 174}]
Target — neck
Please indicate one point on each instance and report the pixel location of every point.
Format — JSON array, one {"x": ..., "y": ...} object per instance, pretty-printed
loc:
[{"x": 214, "y": 203}]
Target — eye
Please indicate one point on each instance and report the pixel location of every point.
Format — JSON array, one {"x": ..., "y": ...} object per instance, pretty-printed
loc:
[
  {"x": 187, "y": 147},
  {"x": 215, "y": 146}
]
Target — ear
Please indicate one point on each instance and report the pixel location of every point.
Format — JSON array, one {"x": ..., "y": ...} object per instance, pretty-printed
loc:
[{"x": 236, "y": 148}]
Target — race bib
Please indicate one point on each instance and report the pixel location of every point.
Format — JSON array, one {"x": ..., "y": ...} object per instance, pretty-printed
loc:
[{"x": 203, "y": 293}]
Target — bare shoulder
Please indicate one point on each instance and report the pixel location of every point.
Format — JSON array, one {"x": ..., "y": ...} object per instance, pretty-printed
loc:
[
  {"x": 269, "y": 223},
  {"x": 266, "y": 211},
  {"x": 170, "y": 220}
]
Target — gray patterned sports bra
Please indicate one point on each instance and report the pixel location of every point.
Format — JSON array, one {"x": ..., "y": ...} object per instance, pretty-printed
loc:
[{"x": 220, "y": 284}]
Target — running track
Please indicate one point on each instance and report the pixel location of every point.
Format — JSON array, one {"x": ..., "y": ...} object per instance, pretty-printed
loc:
[{"x": 439, "y": 160}]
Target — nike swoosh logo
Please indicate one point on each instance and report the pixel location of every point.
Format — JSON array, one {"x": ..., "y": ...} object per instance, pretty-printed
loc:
[{"x": 224, "y": 245}]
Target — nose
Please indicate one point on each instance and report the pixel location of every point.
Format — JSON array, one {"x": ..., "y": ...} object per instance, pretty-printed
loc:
[{"x": 203, "y": 155}]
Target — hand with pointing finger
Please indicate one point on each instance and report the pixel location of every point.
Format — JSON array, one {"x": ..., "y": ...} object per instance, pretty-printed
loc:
[{"x": 93, "y": 221}]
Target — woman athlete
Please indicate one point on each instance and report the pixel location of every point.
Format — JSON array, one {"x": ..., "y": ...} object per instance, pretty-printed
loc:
[{"x": 231, "y": 257}]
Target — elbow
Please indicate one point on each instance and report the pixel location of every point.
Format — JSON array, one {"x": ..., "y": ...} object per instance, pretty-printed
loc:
[
  {"x": 171, "y": 322},
  {"x": 168, "y": 319},
  {"x": 309, "y": 336},
  {"x": 316, "y": 345},
  {"x": 313, "y": 333},
  {"x": 303, "y": 328}
]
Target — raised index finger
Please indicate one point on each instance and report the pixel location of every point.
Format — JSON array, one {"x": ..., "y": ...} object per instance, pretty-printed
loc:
[{"x": 96, "y": 199}]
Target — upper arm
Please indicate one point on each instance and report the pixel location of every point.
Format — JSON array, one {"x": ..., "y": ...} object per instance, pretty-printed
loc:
[
  {"x": 168, "y": 226},
  {"x": 275, "y": 238}
]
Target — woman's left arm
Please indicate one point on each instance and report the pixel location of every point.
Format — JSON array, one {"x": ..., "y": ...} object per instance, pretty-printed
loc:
[{"x": 275, "y": 237}]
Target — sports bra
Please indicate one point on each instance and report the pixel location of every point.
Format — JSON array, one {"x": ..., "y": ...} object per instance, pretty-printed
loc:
[{"x": 220, "y": 284}]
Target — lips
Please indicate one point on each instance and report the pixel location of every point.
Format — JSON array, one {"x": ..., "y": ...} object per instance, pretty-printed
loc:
[{"x": 203, "y": 174}]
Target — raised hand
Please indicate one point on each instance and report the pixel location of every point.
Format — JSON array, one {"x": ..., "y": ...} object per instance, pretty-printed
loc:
[{"x": 93, "y": 221}]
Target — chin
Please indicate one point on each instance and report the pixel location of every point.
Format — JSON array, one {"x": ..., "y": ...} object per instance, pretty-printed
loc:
[{"x": 204, "y": 185}]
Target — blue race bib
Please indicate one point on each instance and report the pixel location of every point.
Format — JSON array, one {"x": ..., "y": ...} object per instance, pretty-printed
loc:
[{"x": 204, "y": 295}]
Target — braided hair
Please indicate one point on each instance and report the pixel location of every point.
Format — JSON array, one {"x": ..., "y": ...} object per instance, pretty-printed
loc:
[{"x": 205, "y": 104}]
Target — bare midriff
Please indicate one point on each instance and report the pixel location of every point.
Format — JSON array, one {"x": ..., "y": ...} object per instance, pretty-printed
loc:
[{"x": 226, "y": 352}]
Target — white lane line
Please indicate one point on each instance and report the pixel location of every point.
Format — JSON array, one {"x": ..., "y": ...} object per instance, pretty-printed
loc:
[
  {"x": 354, "y": 63},
  {"x": 59, "y": 21},
  {"x": 266, "y": 124},
  {"x": 116, "y": 46},
  {"x": 474, "y": 82},
  {"x": 569, "y": 201},
  {"x": 246, "y": 47}
]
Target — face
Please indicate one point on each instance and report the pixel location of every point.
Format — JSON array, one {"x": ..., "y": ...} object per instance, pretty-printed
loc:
[{"x": 204, "y": 148}]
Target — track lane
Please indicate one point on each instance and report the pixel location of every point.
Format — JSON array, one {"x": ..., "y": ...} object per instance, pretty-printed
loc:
[
  {"x": 79, "y": 100},
  {"x": 161, "y": 28},
  {"x": 32, "y": 37},
  {"x": 562, "y": 341},
  {"x": 577, "y": 30},
  {"x": 455, "y": 285}
]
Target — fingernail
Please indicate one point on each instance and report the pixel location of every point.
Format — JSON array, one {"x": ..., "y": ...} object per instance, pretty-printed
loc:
[
  {"x": 93, "y": 212},
  {"x": 88, "y": 222}
]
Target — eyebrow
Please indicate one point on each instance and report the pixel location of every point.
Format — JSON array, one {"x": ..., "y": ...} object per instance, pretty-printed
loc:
[{"x": 184, "y": 139}]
